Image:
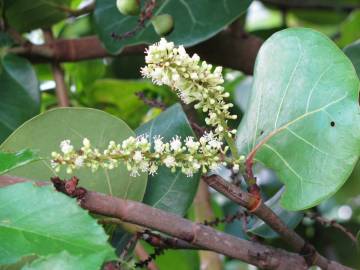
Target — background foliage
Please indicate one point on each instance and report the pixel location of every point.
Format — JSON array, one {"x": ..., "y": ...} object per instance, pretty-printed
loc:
[{"x": 110, "y": 84}]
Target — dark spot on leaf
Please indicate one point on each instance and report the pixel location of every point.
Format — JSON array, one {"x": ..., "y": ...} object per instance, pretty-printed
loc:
[
  {"x": 261, "y": 132},
  {"x": 332, "y": 123}
]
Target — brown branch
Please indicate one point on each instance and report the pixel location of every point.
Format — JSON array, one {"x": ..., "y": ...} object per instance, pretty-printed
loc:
[
  {"x": 194, "y": 233},
  {"x": 263, "y": 212},
  {"x": 153, "y": 103},
  {"x": 332, "y": 223},
  {"x": 157, "y": 240},
  {"x": 58, "y": 73},
  {"x": 224, "y": 49},
  {"x": 312, "y": 4}
]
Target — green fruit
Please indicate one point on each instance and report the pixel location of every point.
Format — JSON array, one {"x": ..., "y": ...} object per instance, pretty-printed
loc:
[
  {"x": 128, "y": 7},
  {"x": 163, "y": 24}
]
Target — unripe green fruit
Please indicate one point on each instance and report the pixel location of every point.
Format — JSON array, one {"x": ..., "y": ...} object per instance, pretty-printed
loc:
[
  {"x": 128, "y": 7},
  {"x": 163, "y": 24}
]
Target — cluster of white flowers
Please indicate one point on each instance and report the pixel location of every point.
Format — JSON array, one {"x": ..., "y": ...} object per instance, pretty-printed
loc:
[
  {"x": 141, "y": 155},
  {"x": 192, "y": 79}
]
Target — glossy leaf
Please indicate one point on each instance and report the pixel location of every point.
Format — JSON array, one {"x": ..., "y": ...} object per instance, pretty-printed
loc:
[
  {"x": 38, "y": 220},
  {"x": 47, "y": 130},
  {"x": 26, "y": 15},
  {"x": 303, "y": 115},
  {"x": 172, "y": 192},
  {"x": 10, "y": 161},
  {"x": 349, "y": 29},
  {"x": 192, "y": 23},
  {"x": 291, "y": 219},
  {"x": 353, "y": 52},
  {"x": 118, "y": 97},
  {"x": 19, "y": 95}
]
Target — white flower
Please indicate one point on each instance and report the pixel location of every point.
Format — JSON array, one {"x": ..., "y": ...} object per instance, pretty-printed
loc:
[
  {"x": 138, "y": 156},
  {"x": 192, "y": 80},
  {"x": 86, "y": 143},
  {"x": 169, "y": 161},
  {"x": 236, "y": 168},
  {"x": 79, "y": 161},
  {"x": 158, "y": 145},
  {"x": 66, "y": 147},
  {"x": 175, "y": 144},
  {"x": 153, "y": 169},
  {"x": 215, "y": 144}
]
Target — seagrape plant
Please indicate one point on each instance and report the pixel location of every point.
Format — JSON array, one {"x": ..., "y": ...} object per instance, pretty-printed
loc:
[
  {"x": 322, "y": 111},
  {"x": 194, "y": 81},
  {"x": 304, "y": 128},
  {"x": 302, "y": 121}
]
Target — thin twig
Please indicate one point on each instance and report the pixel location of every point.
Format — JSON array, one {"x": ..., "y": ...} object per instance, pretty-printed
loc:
[
  {"x": 332, "y": 223},
  {"x": 153, "y": 103},
  {"x": 145, "y": 15}
]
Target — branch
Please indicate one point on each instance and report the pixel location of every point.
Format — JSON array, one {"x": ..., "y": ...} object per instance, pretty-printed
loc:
[
  {"x": 224, "y": 49},
  {"x": 58, "y": 73},
  {"x": 332, "y": 223},
  {"x": 194, "y": 233},
  {"x": 312, "y": 4},
  {"x": 263, "y": 212}
]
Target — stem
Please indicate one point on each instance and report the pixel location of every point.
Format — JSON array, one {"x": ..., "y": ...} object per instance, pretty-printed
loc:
[
  {"x": 230, "y": 141},
  {"x": 58, "y": 73}
]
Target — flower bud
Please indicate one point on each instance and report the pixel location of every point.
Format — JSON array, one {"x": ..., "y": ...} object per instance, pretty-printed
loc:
[
  {"x": 128, "y": 7},
  {"x": 163, "y": 24}
]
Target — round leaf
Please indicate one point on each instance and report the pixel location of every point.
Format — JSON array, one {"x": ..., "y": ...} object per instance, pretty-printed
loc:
[
  {"x": 47, "y": 130},
  {"x": 303, "y": 115}
]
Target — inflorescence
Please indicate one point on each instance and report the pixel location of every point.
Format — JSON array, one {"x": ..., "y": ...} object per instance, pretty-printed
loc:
[
  {"x": 193, "y": 80},
  {"x": 139, "y": 154}
]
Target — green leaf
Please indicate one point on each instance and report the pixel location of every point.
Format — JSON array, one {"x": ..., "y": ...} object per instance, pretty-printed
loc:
[
  {"x": 291, "y": 219},
  {"x": 172, "y": 192},
  {"x": 303, "y": 115},
  {"x": 349, "y": 29},
  {"x": 38, "y": 220},
  {"x": 19, "y": 95},
  {"x": 9, "y": 161},
  {"x": 192, "y": 23},
  {"x": 353, "y": 52},
  {"x": 47, "y": 130},
  {"x": 118, "y": 97},
  {"x": 83, "y": 74},
  {"x": 26, "y": 15},
  {"x": 65, "y": 261}
]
